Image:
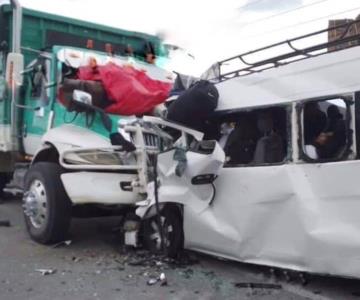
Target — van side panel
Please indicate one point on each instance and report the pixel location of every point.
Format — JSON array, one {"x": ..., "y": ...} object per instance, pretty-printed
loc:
[{"x": 297, "y": 216}]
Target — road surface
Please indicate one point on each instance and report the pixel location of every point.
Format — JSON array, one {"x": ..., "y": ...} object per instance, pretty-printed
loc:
[{"x": 96, "y": 266}]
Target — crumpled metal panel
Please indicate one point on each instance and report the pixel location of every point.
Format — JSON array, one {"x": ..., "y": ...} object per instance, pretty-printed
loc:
[
  {"x": 303, "y": 217},
  {"x": 179, "y": 189}
]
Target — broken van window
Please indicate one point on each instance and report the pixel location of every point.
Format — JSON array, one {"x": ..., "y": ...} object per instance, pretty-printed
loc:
[
  {"x": 257, "y": 137},
  {"x": 325, "y": 129}
]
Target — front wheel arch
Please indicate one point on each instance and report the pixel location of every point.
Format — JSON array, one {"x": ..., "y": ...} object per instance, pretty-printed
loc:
[{"x": 48, "y": 153}]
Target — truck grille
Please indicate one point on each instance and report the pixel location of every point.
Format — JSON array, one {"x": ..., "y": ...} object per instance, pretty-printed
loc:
[{"x": 151, "y": 140}]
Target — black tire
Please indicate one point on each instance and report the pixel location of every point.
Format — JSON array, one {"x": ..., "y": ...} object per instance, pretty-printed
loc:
[
  {"x": 56, "y": 224},
  {"x": 173, "y": 232}
]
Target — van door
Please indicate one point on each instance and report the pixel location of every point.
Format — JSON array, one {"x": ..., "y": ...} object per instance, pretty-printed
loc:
[
  {"x": 254, "y": 191},
  {"x": 188, "y": 176},
  {"x": 37, "y": 103}
]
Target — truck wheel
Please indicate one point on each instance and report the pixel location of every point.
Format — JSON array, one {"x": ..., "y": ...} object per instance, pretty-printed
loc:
[
  {"x": 47, "y": 208},
  {"x": 172, "y": 230}
]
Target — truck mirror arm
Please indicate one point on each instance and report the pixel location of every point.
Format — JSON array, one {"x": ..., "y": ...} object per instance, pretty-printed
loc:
[
  {"x": 50, "y": 85},
  {"x": 27, "y": 107},
  {"x": 27, "y": 71}
]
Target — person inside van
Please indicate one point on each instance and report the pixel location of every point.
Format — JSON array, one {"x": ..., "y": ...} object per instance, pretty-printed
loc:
[
  {"x": 315, "y": 122},
  {"x": 225, "y": 131},
  {"x": 333, "y": 140},
  {"x": 241, "y": 143}
]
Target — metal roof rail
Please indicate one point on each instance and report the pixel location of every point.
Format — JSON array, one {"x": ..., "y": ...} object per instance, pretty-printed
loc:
[{"x": 216, "y": 73}]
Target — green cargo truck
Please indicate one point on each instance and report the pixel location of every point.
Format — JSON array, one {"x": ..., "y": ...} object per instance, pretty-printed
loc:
[{"x": 38, "y": 133}]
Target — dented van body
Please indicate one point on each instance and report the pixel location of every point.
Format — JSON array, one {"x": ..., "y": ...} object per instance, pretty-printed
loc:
[{"x": 299, "y": 212}]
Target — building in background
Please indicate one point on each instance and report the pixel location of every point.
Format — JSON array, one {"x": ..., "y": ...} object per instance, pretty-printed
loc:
[{"x": 344, "y": 31}]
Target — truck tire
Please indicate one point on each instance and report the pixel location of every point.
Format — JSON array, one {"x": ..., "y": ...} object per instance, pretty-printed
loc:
[
  {"x": 173, "y": 232},
  {"x": 47, "y": 207}
]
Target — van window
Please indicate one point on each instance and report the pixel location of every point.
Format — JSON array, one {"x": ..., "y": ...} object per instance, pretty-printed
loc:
[
  {"x": 326, "y": 129},
  {"x": 256, "y": 137}
]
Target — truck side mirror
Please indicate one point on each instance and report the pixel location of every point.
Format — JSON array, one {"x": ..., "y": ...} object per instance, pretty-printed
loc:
[{"x": 14, "y": 69}]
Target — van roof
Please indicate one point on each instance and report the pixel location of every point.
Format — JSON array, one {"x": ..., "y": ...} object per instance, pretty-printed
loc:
[{"x": 331, "y": 74}]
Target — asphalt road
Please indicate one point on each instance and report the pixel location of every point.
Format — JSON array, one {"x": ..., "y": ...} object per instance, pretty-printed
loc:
[{"x": 96, "y": 266}]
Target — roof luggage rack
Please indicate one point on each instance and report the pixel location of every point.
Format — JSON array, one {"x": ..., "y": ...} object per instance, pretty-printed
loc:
[{"x": 217, "y": 74}]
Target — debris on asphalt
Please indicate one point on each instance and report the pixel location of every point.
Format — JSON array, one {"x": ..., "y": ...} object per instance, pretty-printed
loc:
[
  {"x": 288, "y": 276},
  {"x": 152, "y": 281},
  {"x": 158, "y": 263},
  {"x": 187, "y": 273},
  {"x": 5, "y": 223},
  {"x": 46, "y": 271},
  {"x": 144, "y": 258},
  {"x": 257, "y": 285},
  {"x": 63, "y": 243},
  {"x": 76, "y": 259},
  {"x": 140, "y": 262},
  {"x": 163, "y": 280}
]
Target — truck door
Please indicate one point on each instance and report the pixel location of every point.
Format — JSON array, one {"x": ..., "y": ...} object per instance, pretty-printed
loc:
[{"x": 37, "y": 103}]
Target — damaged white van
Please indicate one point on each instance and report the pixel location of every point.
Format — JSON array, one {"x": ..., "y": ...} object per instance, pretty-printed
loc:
[{"x": 282, "y": 189}]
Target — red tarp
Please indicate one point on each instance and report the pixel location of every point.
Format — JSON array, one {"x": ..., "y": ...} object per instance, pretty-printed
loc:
[{"x": 131, "y": 91}]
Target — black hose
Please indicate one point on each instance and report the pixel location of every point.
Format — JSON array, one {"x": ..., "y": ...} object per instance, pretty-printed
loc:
[{"x": 214, "y": 194}]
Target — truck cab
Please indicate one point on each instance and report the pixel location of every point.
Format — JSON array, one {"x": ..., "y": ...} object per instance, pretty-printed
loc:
[
  {"x": 29, "y": 42},
  {"x": 55, "y": 138}
]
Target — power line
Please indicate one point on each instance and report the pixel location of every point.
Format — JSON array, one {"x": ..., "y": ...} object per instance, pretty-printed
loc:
[
  {"x": 302, "y": 23},
  {"x": 286, "y": 12}
]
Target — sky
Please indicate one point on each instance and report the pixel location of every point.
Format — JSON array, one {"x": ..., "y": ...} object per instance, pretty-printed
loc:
[{"x": 211, "y": 30}]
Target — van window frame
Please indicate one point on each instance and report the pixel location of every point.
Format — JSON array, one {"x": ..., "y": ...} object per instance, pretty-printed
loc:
[
  {"x": 287, "y": 106},
  {"x": 349, "y": 101},
  {"x": 357, "y": 122}
]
